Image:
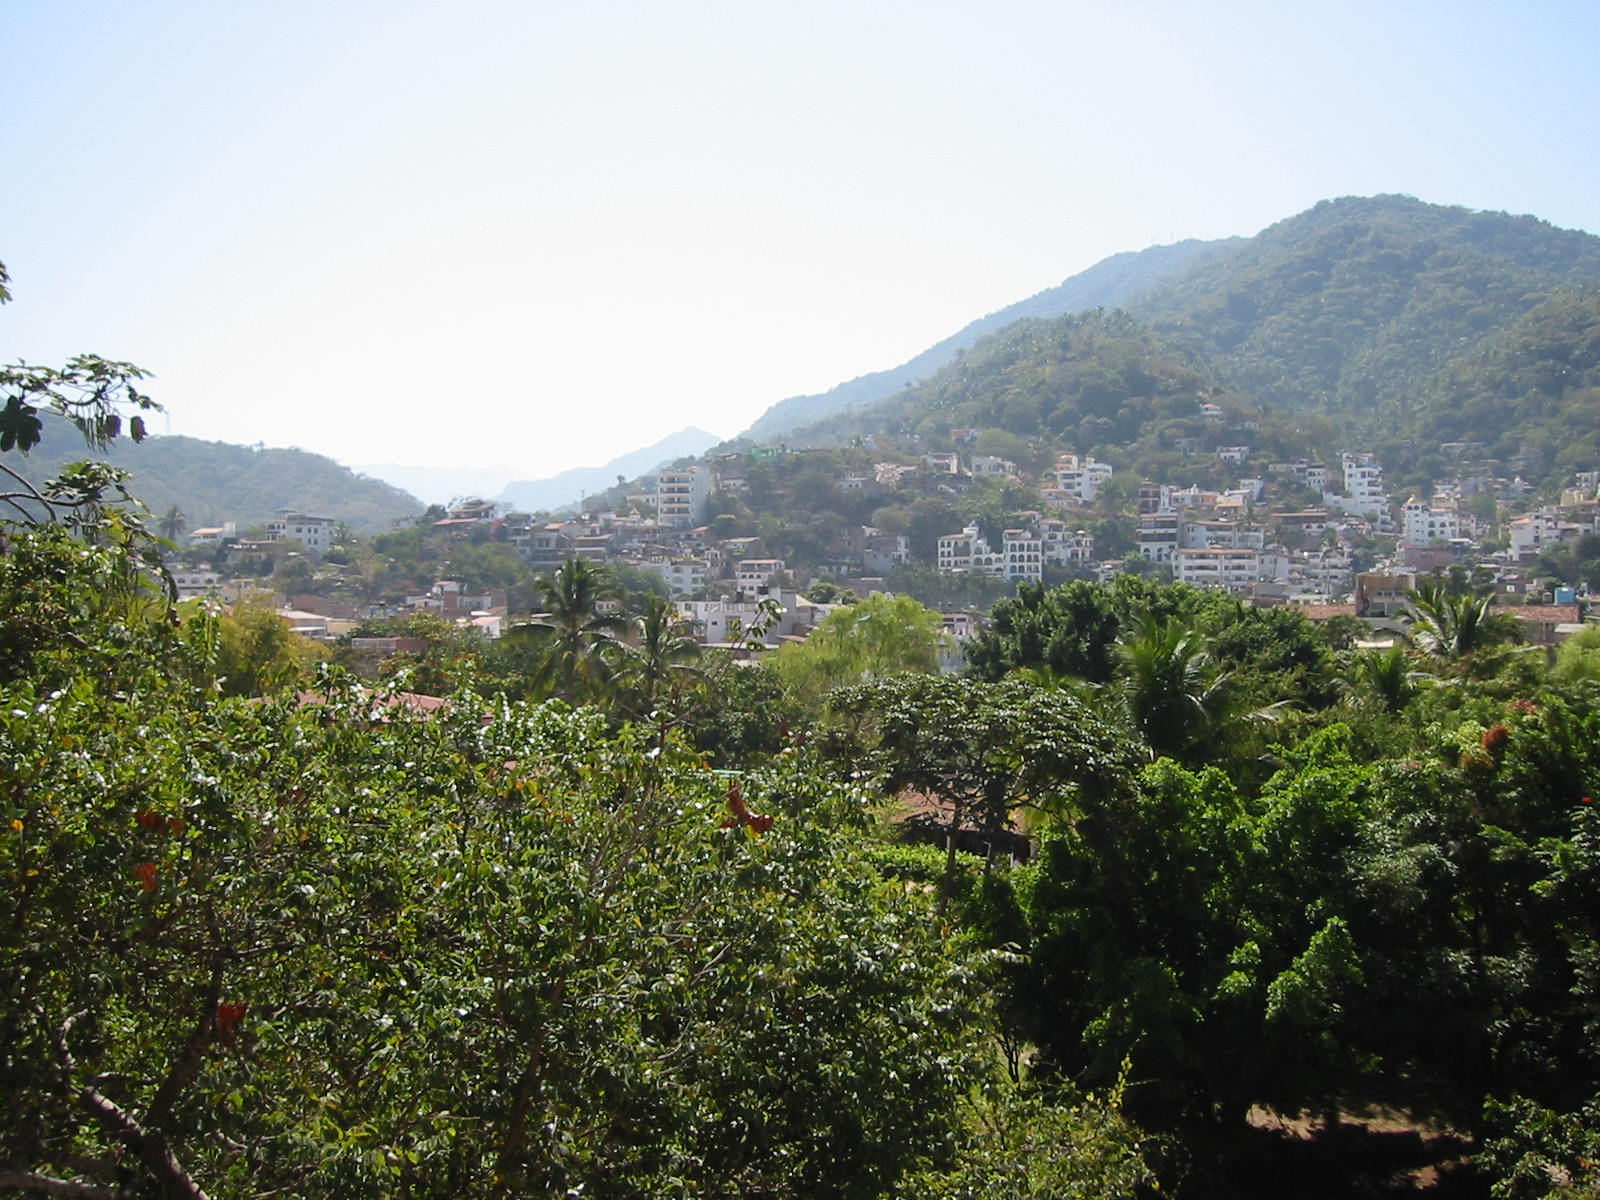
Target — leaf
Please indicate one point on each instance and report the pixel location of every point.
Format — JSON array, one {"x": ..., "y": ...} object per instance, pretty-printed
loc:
[{"x": 20, "y": 426}]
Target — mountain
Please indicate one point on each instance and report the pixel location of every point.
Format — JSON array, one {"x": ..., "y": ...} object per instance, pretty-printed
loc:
[
  {"x": 570, "y": 487},
  {"x": 440, "y": 485},
  {"x": 213, "y": 482},
  {"x": 1113, "y": 282},
  {"x": 1358, "y": 305},
  {"x": 1382, "y": 323}
]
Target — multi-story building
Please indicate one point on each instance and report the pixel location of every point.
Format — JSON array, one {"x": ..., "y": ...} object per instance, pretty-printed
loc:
[
  {"x": 1541, "y": 529},
  {"x": 1232, "y": 535},
  {"x": 1023, "y": 555},
  {"x": 313, "y": 533},
  {"x": 683, "y": 576},
  {"x": 991, "y": 466},
  {"x": 1422, "y": 523},
  {"x": 1065, "y": 546},
  {"x": 717, "y": 622},
  {"x": 1081, "y": 478},
  {"x": 1157, "y": 535},
  {"x": 681, "y": 497},
  {"x": 1363, "y": 486},
  {"x": 1218, "y": 567},
  {"x": 1384, "y": 593},
  {"x": 753, "y": 574}
]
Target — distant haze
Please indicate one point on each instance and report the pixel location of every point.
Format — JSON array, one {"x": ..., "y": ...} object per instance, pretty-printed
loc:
[{"x": 543, "y": 235}]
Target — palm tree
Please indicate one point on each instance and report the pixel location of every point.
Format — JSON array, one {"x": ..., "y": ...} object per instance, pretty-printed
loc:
[
  {"x": 1173, "y": 691},
  {"x": 661, "y": 660},
  {"x": 173, "y": 522},
  {"x": 1388, "y": 676},
  {"x": 574, "y": 632},
  {"x": 1457, "y": 625}
]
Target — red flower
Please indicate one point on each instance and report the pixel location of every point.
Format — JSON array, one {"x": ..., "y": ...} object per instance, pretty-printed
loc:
[{"x": 229, "y": 1014}]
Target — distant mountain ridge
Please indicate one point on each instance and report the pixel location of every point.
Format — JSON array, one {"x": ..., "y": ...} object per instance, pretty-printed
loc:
[
  {"x": 213, "y": 482},
  {"x": 570, "y": 487},
  {"x": 1113, "y": 282}
]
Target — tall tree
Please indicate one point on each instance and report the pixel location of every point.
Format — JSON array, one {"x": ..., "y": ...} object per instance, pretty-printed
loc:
[
  {"x": 1174, "y": 693},
  {"x": 575, "y": 632},
  {"x": 173, "y": 522},
  {"x": 658, "y": 661}
]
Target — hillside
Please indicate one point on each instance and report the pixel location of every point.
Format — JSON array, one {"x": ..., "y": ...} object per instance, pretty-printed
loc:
[
  {"x": 1385, "y": 322},
  {"x": 1113, "y": 282},
  {"x": 1357, "y": 305},
  {"x": 212, "y": 482}
]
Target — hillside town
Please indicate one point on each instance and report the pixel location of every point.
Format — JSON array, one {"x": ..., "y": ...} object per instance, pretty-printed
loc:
[{"x": 1328, "y": 539}]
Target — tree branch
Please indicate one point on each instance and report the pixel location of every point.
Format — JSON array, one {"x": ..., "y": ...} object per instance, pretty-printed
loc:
[
  {"x": 150, "y": 1148},
  {"x": 48, "y": 1185}
]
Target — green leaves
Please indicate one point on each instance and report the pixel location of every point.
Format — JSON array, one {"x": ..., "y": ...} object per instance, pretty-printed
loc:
[{"x": 425, "y": 954}]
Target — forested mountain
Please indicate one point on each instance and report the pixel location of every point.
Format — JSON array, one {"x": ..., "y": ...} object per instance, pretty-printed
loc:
[
  {"x": 1383, "y": 322},
  {"x": 1118, "y": 280},
  {"x": 1358, "y": 304},
  {"x": 212, "y": 482}
]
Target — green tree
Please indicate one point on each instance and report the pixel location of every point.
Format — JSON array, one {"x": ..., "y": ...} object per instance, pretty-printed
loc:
[
  {"x": 985, "y": 751},
  {"x": 1173, "y": 692},
  {"x": 657, "y": 664},
  {"x": 877, "y": 636},
  {"x": 296, "y": 950},
  {"x": 245, "y": 650},
  {"x": 1067, "y": 630},
  {"x": 576, "y": 633},
  {"x": 173, "y": 522},
  {"x": 1456, "y": 626}
]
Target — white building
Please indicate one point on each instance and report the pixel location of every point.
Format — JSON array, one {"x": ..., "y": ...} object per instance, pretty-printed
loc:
[
  {"x": 1422, "y": 524},
  {"x": 1065, "y": 546},
  {"x": 314, "y": 533},
  {"x": 193, "y": 584},
  {"x": 682, "y": 576},
  {"x": 720, "y": 621},
  {"x": 1023, "y": 555},
  {"x": 681, "y": 497},
  {"x": 990, "y": 466},
  {"x": 1158, "y": 536},
  {"x": 1232, "y": 569},
  {"x": 753, "y": 574},
  {"x": 964, "y": 551},
  {"x": 1542, "y": 529},
  {"x": 1363, "y": 485},
  {"x": 1231, "y": 535},
  {"x": 1081, "y": 478}
]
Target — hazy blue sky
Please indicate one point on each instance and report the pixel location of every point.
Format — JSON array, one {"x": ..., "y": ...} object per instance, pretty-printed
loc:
[{"x": 541, "y": 234}]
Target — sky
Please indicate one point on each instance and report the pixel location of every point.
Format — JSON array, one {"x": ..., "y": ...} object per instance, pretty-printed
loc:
[{"x": 534, "y": 236}]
